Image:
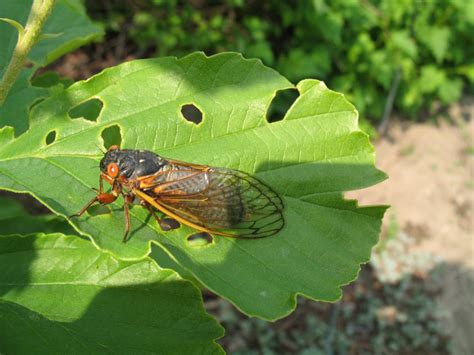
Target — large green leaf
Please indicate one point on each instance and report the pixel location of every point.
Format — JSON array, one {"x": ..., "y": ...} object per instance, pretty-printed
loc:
[
  {"x": 68, "y": 27},
  {"x": 59, "y": 294},
  {"x": 310, "y": 157}
]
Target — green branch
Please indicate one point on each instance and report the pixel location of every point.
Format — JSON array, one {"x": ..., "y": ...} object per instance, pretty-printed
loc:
[{"x": 40, "y": 11}]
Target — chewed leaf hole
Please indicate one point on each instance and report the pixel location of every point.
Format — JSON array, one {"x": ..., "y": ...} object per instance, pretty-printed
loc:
[
  {"x": 281, "y": 103},
  {"x": 98, "y": 210},
  {"x": 191, "y": 113},
  {"x": 89, "y": 110},
  {"x": 199, "y": 239},
  {"x": 168, "y": 224},
  {"x": 50, "y": 138},
  {"x": 111, "y": 136}
]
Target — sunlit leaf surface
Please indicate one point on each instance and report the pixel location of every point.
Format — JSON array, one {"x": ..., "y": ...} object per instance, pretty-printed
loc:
[{"x": 310, "y": 158}]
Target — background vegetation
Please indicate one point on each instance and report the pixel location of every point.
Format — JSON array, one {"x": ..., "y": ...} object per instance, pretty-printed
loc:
[
  {"x": 358, "y": 47},
  {"x": 418, "y": 53}
]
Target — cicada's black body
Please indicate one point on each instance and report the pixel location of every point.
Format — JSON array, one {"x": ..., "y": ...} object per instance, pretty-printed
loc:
[
  {"x": 133, "y": 164},
  {"x": 215, "y": 200}
]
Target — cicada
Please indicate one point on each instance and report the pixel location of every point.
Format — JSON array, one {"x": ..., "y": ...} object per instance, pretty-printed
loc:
[{"x": 214, "y": 200}]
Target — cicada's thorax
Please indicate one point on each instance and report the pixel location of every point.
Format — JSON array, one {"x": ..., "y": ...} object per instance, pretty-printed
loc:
[
  {"x": 144, "y": 163},
  {"x": 133, "y": 164}
]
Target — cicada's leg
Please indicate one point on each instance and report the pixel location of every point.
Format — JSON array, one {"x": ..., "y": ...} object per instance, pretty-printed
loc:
[
  {"x": 128, "y": 199},
  {"x": 165, "y": 224},
  {"x": 101, "y": 197}
]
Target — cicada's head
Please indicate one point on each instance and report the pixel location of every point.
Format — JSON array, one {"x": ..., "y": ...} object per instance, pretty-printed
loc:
[
  {"x": 117, "y": 162},
  {"x": 109, "y": 165},
  {"x": 129, "y": 163}
]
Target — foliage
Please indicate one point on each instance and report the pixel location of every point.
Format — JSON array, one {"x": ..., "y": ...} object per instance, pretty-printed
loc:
[
  {"x": 318, "y": 140},
  {"x": 82, "y": 296},
  {"x": 59, "y": 294},
  {"x": 355, "y": 46},
  {"x": 67, "y": 28}
]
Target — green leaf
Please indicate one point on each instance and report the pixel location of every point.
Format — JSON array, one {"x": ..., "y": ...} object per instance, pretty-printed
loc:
[
  {"x": 68, "y": 23},
  {"x": 436, "y": 39},
  {"x": 330, "y": 26},
  {"x": 71, "y": 28},
  {"x": 16, "y": 25},
  {"x": 451, "y": 91},
  {"x": 431, "y": 78},
  {"x": 14, "y": 110},
  {"x": 310, "y": 158},
  {"x": 298, "y": 64},
  {"x": 402, "y": 41},
  {"x": 15, "y": 220},
  {"x": 466, "y": 70},
  {"x": 51, "y": 78},
  {"x": 59, "y": 294}
]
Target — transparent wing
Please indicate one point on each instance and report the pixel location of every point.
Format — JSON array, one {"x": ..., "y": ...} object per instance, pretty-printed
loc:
[{"x": 216, "y": 200}]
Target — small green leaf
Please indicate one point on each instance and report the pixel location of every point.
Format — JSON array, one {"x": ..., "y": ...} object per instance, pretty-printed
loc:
[
  {"x": 14, "y": 110},
  {"x": 431, "y": 78},
  {"x": 451, "y": 91},
  {"x": 15, "y": 24},
  {"x": 466, "y": 70},
  {"x": 299, "y": 64},
  {"x": 68, "y": 22},
  {"x": 402, "y": 41},
  {"x": 310, "y": 158},
  {"x": 436, "y": 39},
  {"x": 59, "y": 294},
  {"x": 72, "y": 29}
]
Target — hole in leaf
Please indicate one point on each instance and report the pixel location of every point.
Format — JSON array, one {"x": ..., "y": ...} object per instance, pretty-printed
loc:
[
  {"x": 89, "y": 109},
  {"x": 168, "y": 224},
  {"x": 281, "y": 103},
  {"x": 199, "y": 239},
  {"x": 111, "y": 136},
  {"x": 191, "y": 113},
  {"x": 51, "y": 137},
  {"x": 97, "y": 210}
]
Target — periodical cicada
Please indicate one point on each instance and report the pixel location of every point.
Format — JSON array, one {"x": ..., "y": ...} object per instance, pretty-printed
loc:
[{"x": 218, "y": 201}]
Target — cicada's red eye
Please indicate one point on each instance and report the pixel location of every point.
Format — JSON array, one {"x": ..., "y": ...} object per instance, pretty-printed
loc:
[{"x": 112, "y": 170}]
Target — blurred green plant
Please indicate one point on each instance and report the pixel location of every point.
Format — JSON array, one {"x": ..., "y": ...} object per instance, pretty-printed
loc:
[{"x": 356, "y": 46}]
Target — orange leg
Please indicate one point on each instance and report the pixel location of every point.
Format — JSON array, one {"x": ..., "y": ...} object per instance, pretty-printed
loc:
[{"x": 103, "y": 198}]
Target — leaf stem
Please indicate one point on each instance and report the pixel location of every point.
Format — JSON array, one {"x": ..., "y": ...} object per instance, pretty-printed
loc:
[
  {"x": 389, "y": 103},
  {"x": 40, "y": 11}
]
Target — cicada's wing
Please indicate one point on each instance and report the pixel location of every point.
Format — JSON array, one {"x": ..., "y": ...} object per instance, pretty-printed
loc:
[{"x": 216, "y": 200}]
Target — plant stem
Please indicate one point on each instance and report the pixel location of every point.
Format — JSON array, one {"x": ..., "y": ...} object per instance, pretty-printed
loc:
[
  {"x": 389, "y": 103},
  {"x": 40, "y": 11}
]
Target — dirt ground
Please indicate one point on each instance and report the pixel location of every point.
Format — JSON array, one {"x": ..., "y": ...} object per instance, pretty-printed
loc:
[{"x": 431, "y": 191}]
